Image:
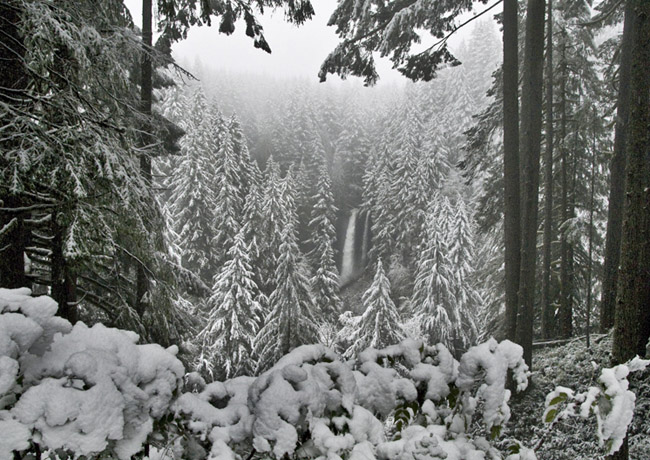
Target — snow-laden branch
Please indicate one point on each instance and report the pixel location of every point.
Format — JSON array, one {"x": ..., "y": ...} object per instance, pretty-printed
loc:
[{"x": 611, "y": 402}]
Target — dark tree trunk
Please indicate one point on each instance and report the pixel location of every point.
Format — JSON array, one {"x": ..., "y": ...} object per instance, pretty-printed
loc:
[
  {"x": 12, "y": 244},
  {"x": 548, "y": 329},
  {"x": 632, "y": 315},
  {"x": 565, "y": 313},
  {"x": 64, "y": 282},
  {"x": 617, "y": 180},
  {"x": 146, "y": 89},
  {"x": 633, "y": 300},
  {"x": 512, "y": 219},
  {"x": 592, "y": 204},
  {"x": 146, "y": 86},
  {"x": 13, "y": 79},
  {"x": 531, "y": 135}
]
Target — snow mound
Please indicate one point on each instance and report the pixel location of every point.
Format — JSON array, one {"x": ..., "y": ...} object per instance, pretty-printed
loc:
[{"x": 83, "y": 389}]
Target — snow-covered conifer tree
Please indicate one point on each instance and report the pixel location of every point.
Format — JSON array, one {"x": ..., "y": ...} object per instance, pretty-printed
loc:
[
  {"x": 292, "y": 320},
  {"x": 274, "y": 217},
  {"x": 461, "y": 242},
  {"x": 229, "y": 203},
  {"x": 437, "y": 294},
  {"x": 380, "y": 325},
  {"x": 192, "y": 203},
  {"x": 381, "y": 204},
  {"x": 249, "y": 172},
  {"x": 234, "y": 316},
  {"x": 325, "y": 282},
  {"x": 351, "y": 153},
  {"x": 252, "y": 217},
  {"x": 406, "y": 185},
  {"x": 174, "y": 105}
]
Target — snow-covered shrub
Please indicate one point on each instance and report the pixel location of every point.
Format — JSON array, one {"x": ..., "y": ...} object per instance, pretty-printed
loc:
[
  {"x": 404, "y": 401},
  {"x": 79, "y": 389},
  {"x": 95, "y": 393},
  {"x": 611, "y": 402}
]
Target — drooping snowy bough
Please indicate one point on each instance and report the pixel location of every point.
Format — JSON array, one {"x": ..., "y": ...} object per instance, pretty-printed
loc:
[{"x": 96, "y": 392}]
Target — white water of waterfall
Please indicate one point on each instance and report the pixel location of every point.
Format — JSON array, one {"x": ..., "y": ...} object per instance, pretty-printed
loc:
[{"x": 347, "y": 266}]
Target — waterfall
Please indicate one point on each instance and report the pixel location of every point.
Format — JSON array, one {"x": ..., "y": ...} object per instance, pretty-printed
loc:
[
  {"x": 347, "y": 265},
  {"x": 366, "y": 240}
]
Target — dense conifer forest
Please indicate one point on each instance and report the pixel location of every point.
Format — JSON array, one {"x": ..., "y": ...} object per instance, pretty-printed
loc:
[{"x": 200, "y": 263}]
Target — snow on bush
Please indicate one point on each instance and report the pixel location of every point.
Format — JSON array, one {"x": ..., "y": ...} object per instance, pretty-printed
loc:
[
  {"x": 611, "y": 402},
  {"x": 407, "y": 401},
  {"x": 94, "y": 392},
  {"x": 80, "y": 389}
]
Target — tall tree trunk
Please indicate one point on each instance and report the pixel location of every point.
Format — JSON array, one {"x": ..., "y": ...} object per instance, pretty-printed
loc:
[
  {"x": 64, "y": 282},
  {"x": 547, "y": 308},
  {"x": 632, "y": 316},
  {"x": 512, "y": 216},
  {"x": 592, "y": 203},
  {"x": 531, "y": 135},
  {"x": 565, "y": 316},
  {"x": 146, "y": 90},
  {"x": 572, "y": 198},
  {"x": 617, "y": 179},
  {"x": 13, "y": 240},
  {"x": 633, "y": 300},
  {"x": 13, "y": 79}
]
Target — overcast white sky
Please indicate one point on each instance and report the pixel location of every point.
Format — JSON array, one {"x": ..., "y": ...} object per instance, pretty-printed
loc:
[{"x": 297, "y": 51}]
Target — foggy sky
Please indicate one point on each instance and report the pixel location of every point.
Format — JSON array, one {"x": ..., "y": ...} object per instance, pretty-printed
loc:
[{"x": 297, "y": 51}]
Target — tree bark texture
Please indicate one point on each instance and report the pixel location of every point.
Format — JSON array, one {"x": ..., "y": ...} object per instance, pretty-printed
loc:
[
  {"x": 512, "y": 216},
  {"x": 565, "y": 313},
  {"x": 13, "y": 77},
  {"x": 548, "y": 329},
  {"x": 531, "y": 136},
  {"x": 12, "y": 244},
  {"x": 617, "y": 180},
  {"x": 592, "y": 205},
  {"x": 633, "y": 301},
  {"x": 64, "y": 282},
  {"x": 146, "y": 94}
]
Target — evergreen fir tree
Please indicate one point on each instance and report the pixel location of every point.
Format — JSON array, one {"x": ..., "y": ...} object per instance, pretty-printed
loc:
[
  {"x": 292, "y": 320},
  {"x": 325, "y": 282},
  {"x": 249, "y": 172},
  {"x": 192, "y": 198},
  {"x": 381, "y": 205},
  {"x": 409, "y": 204},
  {"x": 234, "y": 316},
  {"x": 481, "y": 58},
  {"x": 352, "y": 150},
  {"x": 379, "y": 326},
  {"x": 435, "y": 282},
  {"x": 174, "y": 105},
  {"x": 275, "y": 216},
  {"x": 228, "y": 202},
  {"x": 252, "y": 217},
  {"x": 463, "y": 263}
]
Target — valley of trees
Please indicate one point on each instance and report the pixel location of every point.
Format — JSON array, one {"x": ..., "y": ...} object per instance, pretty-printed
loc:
[{"x": 502, "y": 191}]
